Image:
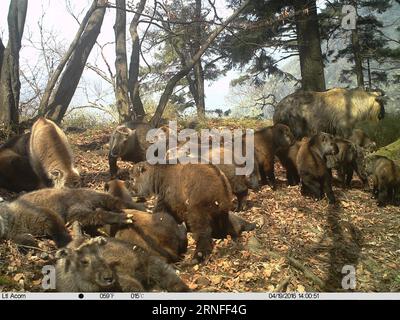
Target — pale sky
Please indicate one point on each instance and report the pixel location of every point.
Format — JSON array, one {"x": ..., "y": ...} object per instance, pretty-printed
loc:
[{"x": 64, "y": 26}]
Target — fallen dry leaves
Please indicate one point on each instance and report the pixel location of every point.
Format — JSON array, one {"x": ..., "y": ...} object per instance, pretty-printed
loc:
[{"x": 320, "y": 237}]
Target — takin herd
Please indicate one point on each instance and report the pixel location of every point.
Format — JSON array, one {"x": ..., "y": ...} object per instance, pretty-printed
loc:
[{"x": 114, "y": 244}]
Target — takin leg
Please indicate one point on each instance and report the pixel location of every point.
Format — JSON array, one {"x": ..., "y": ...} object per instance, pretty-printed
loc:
[
  {"x": 383, "y": 194},
  {"x": 97, "y": 217},
  {"x": 311, "y": 187},
  {"x": 269, "y": 172},
  {"x": 341, "y": 172},
  {"x": 374, "y": 188},
  {"x": 327, "y": 188},
  {"x": 293, "y": 178},
  {"x": 164, "y": 276},
  {"x": 112, "y": 162},
  {"x": 200, "y": 224},
  {"x": 348, "y": 176},
  {"x": 25, "y": 239},
  {"x": 263, "y": 176},
  {"x": 242, "y": 200}
]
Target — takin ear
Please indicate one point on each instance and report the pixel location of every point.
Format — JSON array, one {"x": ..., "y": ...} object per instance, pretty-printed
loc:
[
  {"x": 56, "y": 174},
  {"x": 141, "y": 169}
]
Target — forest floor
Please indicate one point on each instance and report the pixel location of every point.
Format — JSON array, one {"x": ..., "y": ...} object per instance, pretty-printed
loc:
[{"x": 299, "y": 244}]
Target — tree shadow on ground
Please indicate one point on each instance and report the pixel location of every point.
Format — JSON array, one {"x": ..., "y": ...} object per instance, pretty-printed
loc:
[{"x": 344, "y": 250}]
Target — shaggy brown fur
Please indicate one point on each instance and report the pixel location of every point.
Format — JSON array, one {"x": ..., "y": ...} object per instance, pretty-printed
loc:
[
  {"x": 361, "y": 139},
  {"x": 350, "y": 158},
  {"x": 287, "y": 157},
  {"x": 197, "y": 194},
  {"x": 116, "y": 266},
  {"x": 89, "y": 207},
  {"x": 158, "y": 233},
  {"x": 51, "y": 155},
  {"x": 19, "y": 144},
  {"x": 311, "y": 163},
  {"x": 267, "y": 142},
  {"x": 128, "y": 142},
  {"x": 21, "y": 221},
  {"x": 118, "y": 189},
  {"x": 335, "y": 111},
  {"x": 385, "y": 175},
  {"x": 16, "y": 173},
  {"x": 240, "y": 184}
]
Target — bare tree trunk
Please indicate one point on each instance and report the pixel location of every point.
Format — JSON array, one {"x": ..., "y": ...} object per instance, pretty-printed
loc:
[
  {"x": 9, "y": 79},
  {"x": 70, "y": 78},
  {"x": 1, "y": 55},
  {"x": 133, "y": 81},
  {"x": 357, "y": 58},
  {"x": 369, "y": 74},
  {"x": 198, "y": 69},
  {"x": 43, "y": 107},
  {"x": 121, "y": 65},
  {"x": 309, "y": 44},
  {"x": 184, "y": 61},
  {"x": 155, "y": 120}
]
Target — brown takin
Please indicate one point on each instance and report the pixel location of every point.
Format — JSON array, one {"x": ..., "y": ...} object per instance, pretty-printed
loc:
[
  {"x": 128, "y": 142},
  {"x": 350, "y": 158},
  {"x": 108, "y": 264},
  {"x": 334, "y": 111},
  {"x": 287, "y": 157},
  {"x": 16, "y": 173},
  {"x": 21, "y": 221},
  {"x": 361, "y": 139},
  {"x": 267, "y": 142},
  {"x": 311, "y": 163},
  {"x": 91, "y": 208},
  {"x": 19, "y": 144},
  {"x": 385, "y": 176},
  {"x": 240, "y": 183},
  {"x": 157, "y": 233},
  {"x": 197, "y": 194},
  {"x": 51, "y": 155}
]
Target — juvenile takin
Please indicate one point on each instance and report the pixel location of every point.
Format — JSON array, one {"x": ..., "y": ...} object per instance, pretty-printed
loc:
[
  {"x": 89, "y": 207},
  {"x": 361, "y": 139},
  {"x": 158, "y": 233},
  {"x": 128, "y": 142},
  {"x": 22, "y": 221},
  {"x": 108, "y": 264},
  {"x": 385, "y": 176},
  {"x": 240, "y": 183},
  {"x": 288, "y": 157},
  {"x": 267, "y": 142},
  {"x": 197, "y": 194},
  {"x": 311, "y": 163},
  {"x": 51, "y": 155},
  {"x": 350, "y": 158}
]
